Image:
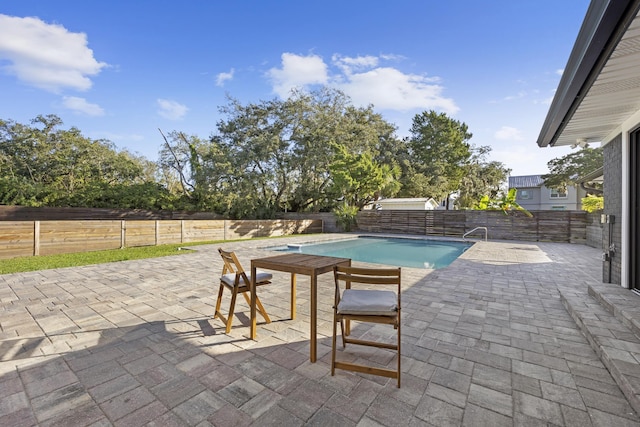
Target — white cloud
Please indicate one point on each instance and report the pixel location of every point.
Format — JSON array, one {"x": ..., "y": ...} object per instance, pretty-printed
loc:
[
  {"x": 297, "y": 72},
  {"x": 223, "y": 77},
  {"x": 391, "y": 57},
  {"x": 364, "y": 81},
  {"x": 524, "y": 160},
  {"x": 171, "y": 110},
  {"x": 560, "y": 71},
  {"x": 389, "y": 88},
  {"x": 519, "y": 95},
  {"x": 508, "y": 133},
  {"x": 46, "y": 56},
  {"x": 80, "y": 105},
  {"x": 348, "y": 65}
]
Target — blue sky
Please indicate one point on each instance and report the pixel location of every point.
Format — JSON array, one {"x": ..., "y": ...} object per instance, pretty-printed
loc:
[{"x": 122, "y": 69}]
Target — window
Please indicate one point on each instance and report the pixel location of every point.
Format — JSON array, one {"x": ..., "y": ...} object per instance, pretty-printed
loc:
[
  {"x": 555, "y": 194},
  {"x": 525, "y": 194}
]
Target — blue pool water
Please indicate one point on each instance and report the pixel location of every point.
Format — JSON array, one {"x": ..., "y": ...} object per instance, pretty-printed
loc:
[{"x": 414, "y": 253}]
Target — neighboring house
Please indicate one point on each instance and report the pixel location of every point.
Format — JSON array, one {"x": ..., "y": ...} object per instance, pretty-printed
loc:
[
  {"x": 534, "y": 196},
  {"x": 413, "y": 204},
  {"x": 598, "y": 100}
]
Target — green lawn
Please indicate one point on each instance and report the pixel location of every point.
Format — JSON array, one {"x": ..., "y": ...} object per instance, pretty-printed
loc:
[{"x": 33, "y": 263}]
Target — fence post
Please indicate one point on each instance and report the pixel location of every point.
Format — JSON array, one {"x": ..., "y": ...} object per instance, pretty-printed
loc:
[
  {"x": 36, "y": 238},
  {"x": 123, "y": 227},
  {"x": 182, "y": 231},
  {"x": 157, "y": 231}
]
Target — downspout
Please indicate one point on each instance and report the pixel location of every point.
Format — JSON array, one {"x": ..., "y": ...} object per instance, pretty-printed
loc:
[{"x": 610, "y": 254}]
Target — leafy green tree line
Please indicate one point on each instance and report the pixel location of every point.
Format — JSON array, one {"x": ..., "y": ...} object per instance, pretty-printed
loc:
[
  {"x": 312, "y": 152},
  {"x": 43, "y": 165}
]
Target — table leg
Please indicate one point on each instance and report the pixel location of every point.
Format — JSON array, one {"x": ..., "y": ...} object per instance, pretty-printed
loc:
[
  {"x": 252, "y": 330},
  {"x": 314, "y": 317},
  {"x": 293, "y": 296}
]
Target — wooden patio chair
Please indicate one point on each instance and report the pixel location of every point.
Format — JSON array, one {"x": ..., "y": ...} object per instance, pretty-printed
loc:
[
  {"x": 238, "y": 281},
  {"x": 378, "y": 303}
]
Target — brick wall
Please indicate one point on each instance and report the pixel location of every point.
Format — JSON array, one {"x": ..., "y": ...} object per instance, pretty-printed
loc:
[
  {"x": 594, "y": 230},
  {"x": 613, "y": 206}
]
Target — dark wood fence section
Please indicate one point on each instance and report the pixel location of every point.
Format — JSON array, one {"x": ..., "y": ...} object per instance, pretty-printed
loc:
[
  {"x": 27, "y": 213},
  {"x": 544, "y": 226},
  {"x": 26, "y": 238}
]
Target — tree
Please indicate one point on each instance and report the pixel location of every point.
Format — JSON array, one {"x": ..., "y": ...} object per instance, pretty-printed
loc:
[
  {"x": 481, "y": 178},
  {"x": 195, "y": 171},
  {"x": 333, "y": 129},
  {"x": 44, "y": 165},
  {"x": 359, "y": 180},
  {"x": 439, "y": 150},
  {"x": 506, "y": 203},
  {"x": 261, "y": 142},
  {"x": 564, "y": 171},
  {"x": 282, "y": 150}
]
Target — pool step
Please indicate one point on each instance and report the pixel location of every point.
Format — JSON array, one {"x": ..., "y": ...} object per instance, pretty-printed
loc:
[{"x": 606, "y": 317}]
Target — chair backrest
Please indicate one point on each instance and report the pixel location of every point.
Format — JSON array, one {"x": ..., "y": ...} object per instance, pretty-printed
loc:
[
  {"x": 232, "y": 265},
  {"x": 367, "y": 276}
]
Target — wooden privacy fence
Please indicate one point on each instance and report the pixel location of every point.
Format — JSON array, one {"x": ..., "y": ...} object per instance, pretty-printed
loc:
[
  {"x": 26, "y": 238},
  {"x": 544, "y": 226}
]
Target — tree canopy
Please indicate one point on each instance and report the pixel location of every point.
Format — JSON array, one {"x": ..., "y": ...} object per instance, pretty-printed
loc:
[
  {"x": 440, "y": 161},
  {"x": 565, "y": 171},
  {"x": 439, "y": 151},
  {"x": 311, "y": 152},
  {"x": 481, "y": 178},
  {"x": 44, "y": 165}
]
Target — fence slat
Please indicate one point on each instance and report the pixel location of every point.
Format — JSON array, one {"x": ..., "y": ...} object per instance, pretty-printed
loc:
[
  {"x": 550, "y": 226},
  {"x": 29, "y": 238}
]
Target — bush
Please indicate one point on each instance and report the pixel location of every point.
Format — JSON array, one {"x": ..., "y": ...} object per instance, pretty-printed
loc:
[
  {"x": 592, "y": 203},
  {"x": 346, "y": 216}
]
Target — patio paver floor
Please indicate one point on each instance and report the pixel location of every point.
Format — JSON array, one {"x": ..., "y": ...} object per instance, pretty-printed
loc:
[{"x": 486, "y": 341}]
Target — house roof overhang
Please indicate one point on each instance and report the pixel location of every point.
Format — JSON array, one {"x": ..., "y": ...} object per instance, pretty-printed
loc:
[
  {"x": 600, "y": 85},
  {"x": 593, "y": 176}
]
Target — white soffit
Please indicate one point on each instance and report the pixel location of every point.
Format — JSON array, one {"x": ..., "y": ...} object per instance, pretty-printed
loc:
[{"x": 614, "y": 96}]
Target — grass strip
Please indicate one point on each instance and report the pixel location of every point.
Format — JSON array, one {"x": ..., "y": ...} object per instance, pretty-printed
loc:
[
  {"x": 34, "y": 263},
  {"x": 77, "y": 259}
]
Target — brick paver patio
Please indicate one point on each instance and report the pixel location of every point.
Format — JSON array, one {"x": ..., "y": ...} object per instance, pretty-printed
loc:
[{"x": 486, "y": 341}]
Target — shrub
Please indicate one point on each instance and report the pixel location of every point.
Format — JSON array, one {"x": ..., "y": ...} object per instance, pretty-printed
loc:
[
  {"x": 592, "y": 203},
  {"x": 346, "y": 216}
]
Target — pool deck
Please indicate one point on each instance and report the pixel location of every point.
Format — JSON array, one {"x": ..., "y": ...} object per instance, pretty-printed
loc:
[{"x": 511, "y": 333}]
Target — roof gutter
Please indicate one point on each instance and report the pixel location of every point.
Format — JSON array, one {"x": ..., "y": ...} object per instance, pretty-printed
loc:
[
  {"x": 598, "y": 173},
  {"x": 602, "y": 29}
]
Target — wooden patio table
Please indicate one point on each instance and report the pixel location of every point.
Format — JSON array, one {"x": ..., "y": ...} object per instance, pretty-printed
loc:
[{"x": 296, "y": 263}]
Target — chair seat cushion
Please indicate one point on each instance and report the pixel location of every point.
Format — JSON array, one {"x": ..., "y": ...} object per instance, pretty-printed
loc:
[
  {"x": 261, "y": 276},
  {"x": 368, "y": 303}
]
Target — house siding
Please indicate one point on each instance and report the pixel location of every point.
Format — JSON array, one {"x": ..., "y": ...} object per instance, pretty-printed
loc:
[
  {"x": 533, "y": 202},
  {"x": 570, "y": 203},
  {"x": 541, "y": 198},
  {"x": 612, "y": 163}
]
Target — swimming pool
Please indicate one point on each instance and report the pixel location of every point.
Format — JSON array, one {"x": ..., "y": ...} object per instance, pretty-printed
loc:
[{"x": 416, "y": 253}]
